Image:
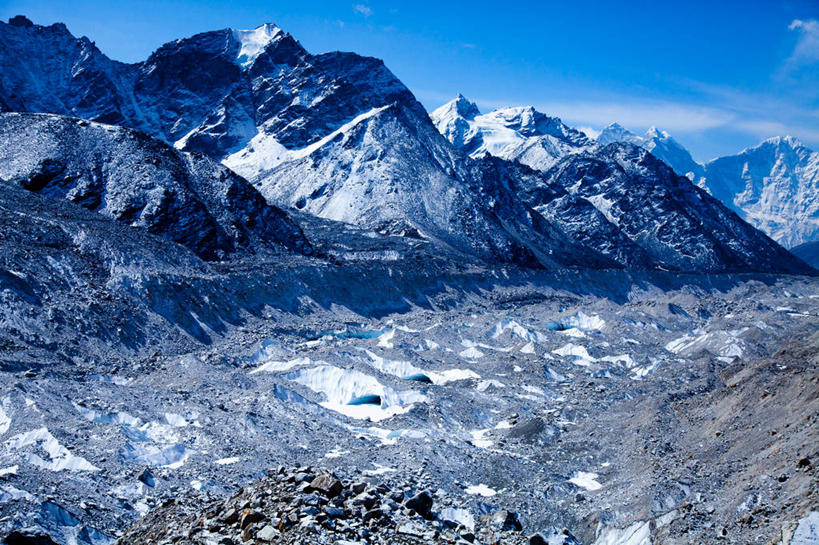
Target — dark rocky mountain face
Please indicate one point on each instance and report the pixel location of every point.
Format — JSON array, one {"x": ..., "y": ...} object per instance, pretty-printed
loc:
[
  {"x": 681, "y": 226},
  {"x": 808, "y": 252},
  {"x": 210, "y": 81},
  {"x": 575, "y": 216},
  {"x": 339, "y": 136},
  {"x": 140, "y": 181},
  {"x": 46, "y": 69}
]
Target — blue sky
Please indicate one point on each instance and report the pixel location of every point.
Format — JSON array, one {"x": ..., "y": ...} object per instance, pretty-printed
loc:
[{"x": 719, "y": 75}]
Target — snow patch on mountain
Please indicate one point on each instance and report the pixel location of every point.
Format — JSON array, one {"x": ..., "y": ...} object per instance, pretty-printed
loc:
[
  {"x": 660, "y": 144},
  {"x": 515, "y": 133},
  {"x": 264, "y": 153},
  {"x": 253, "y": 42}
]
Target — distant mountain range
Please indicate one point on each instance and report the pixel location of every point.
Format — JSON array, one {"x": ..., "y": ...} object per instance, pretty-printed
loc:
[
  {"x": 338, "y": 136},
  {"x": 773, "y": 186},
  {"x": 238, "y": 254}
]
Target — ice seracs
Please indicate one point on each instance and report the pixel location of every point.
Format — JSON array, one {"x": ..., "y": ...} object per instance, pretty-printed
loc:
[
  {"x": 356, "y": 394},
  {"x": 40, "y": 441}
]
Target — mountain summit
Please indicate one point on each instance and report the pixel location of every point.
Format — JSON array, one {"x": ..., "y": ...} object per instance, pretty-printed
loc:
[
  {"x": 660, "y": 144},
  {"x": 520, "y": 134},
  {"x": 338, "y": 136},
  {"x": 774, "y": 186}
]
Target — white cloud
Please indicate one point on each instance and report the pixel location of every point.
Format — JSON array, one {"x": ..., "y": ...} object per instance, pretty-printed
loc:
[
  {"x": 765, "y": 128},
  {"x": 589, "y": 131},
  {"x": 710, "y": 108},
  {"x": 363, "y": 9},
  {"x": 806, "y": 51}
]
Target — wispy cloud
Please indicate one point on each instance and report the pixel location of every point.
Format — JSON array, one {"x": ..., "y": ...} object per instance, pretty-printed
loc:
[
  {"x": 589, "y": 131},
  {"x": 672, "y": 116},
  {"x": 806, "y": 51},
  {"x": 757, "y": 116},
  {"x": 363, "y": 9}
]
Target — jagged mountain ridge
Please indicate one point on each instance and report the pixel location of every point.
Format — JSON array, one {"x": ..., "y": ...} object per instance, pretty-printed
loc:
[
  {"x": 660, "y": 144},
  {"x": 683, "y": 227},
  {"x": 517, "y": 134},
  {"x": 338, "y": 136},
  {"x": 280, "y": 101},
  {"x": 198, "y": 84},
  {"x": 660, "y": 218},
  {"x": 773, "y": 186},
  {"x": 140, "y": 181}
]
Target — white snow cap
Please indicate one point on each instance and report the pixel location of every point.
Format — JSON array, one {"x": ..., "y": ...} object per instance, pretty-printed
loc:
[
  {"x": 253, "y": 42},
  {"x": 460, "y": 106}
]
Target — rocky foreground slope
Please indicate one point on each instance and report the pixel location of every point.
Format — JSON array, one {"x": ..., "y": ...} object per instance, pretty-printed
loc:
[
  {"x": 309, "y": 505},
  {"x": 162, "y": 347}
]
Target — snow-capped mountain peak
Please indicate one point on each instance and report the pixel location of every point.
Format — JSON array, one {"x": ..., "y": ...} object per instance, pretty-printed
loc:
[
  {"x": 519, "y": 133},
  {"x": 453, "y": 120},
  {"x": 660, "y": 143},
  {"x": 617, "y": 133},
  {"x": 772, "y": 186},
  {"x": 459, "y": 106},
  {"x": 654, "y": 133},
  {"x": 253, "y": 42}
]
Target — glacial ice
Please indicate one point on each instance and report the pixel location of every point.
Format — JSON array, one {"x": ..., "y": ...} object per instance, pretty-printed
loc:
[
  {"x": 279, "y": 366},
  {"x": 471, "y": 353},
  {"x": 405, "y": 370},
  {"x": 227, "y": 461},
  {"x": 59, "y": 457},
  {"x": 578, "y": 353},
  {"x": 727, "y": 344},
  {"x": 480, "y": 490},
  {"x": 341, "y": 387},
  {"x": 586, "y": 480},
  {"x": 171, "y": 456}
]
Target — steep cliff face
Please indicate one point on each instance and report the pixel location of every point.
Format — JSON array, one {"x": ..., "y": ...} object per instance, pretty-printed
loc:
[
  {"x": 773, "y": 186},
  {"x": 677, "y": 223}
]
